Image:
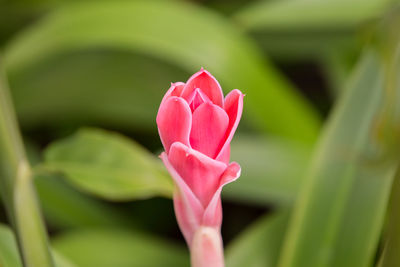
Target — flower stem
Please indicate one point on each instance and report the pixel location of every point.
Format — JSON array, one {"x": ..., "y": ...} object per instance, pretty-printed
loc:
[
  {"x": 17, "y": 190},
  {"x": 207, "y": 248}
]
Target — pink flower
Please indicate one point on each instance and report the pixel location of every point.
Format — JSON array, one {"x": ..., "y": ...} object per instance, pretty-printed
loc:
[{"x": 196, "y": 125}]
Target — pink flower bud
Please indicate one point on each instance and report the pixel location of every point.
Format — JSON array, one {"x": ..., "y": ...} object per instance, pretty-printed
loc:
[{"x": 196, "y": 125}]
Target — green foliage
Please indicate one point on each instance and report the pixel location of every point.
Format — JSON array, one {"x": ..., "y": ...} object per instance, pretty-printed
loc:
[
  {"x": 16, "y": 185},
  {"x": 65, "y": 207},
  {"x": 390, "y": 256},
  {"x": 308, "y": 15},
  {"x": 148, "y": 28},
  {"x": 272, "y": 170},
  {"x": 108, "y": 165},
  {"x": 112, "y": 167},
  {"x": 259, "y": 245},
  {"x": 107, "y": 64},
  {"x": 339, "y": 216},
  {"x": 304, "y": 29},
  {"x": 115, "y": 247},
  {"x": 10, "y": 257}
]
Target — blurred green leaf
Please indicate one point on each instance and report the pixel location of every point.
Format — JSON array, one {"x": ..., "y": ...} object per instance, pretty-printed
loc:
[
  {"x": 337, "y": 67},
  {"x": 338, "y": 218},
  {"x": 101, "y": 86},
  {"x": 259, "y": 244},
  {"x": 204, "y": 39},
  {"x": 65, "y": 207},
  {"x": 309, "y": 15},
  {"x": 390, "y": 256},
  {"x": 108, "y": 247},
  {"x": 108, "y": 165},
  {"x": 272, "y": 170},
  {"x": 9, "y": 255},
  {"x": 304, "y": 29},
  {"x": 389, "y": 43},
  {"x": 61, "y": 260},
  {"x": 16, "y": 185}
]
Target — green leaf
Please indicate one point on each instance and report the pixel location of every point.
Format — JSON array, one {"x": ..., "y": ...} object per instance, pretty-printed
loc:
[
  {"x": 108, "y": 165},
  {"x": 389, "y": 43},
  {"x": 146, "y": 28},
  {"x": 310, "y": 15},
  {"x": 272, "y": 170},
  {"x": 16, "y": 185},
  {"x": 338, "y": 218},
  {"x": 304, "y": 29},
  {"x": 65, "y": 207},
  {"x": 390, "y": 256},
  {"x": 337, "y": 67},
  {"x": 119, "y": 85},
  {"x": 61, "y": 260},
  {"x": 259, "y": 244},
  {"x": 9, "y": 254},
  {"x": 112, "y": 247}
]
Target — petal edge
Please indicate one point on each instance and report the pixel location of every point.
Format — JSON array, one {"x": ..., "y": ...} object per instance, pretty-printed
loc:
[
  {"x": 234, "y": 108},
  {"x": 207, "y": 83},
  {"x": 188, "y": 208}
]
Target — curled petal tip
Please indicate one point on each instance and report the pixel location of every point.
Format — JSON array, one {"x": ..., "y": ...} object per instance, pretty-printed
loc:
[
  {"x": 231, "y": 173},
  {"x": 208, "y": 85}
]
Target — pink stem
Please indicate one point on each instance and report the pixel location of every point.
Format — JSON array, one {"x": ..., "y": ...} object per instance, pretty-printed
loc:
[{"x": 207, "y": 248}]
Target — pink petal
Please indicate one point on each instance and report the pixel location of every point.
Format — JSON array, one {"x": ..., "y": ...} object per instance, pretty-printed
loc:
[
  {"x": 174, "y": 90},
  {"x": 233, "y": 107},
  {"x": 201, "y": 173},
  {"x": 188, "y": 209},
  {"x": 224, "y": 154},
  {"x": 207, "y": 83},
  {"x": 198, "y": 98},
  {"x": 209, "y": 126},
  {"x": 213, "y": 213},
  {"x": 174, "y": 121}
]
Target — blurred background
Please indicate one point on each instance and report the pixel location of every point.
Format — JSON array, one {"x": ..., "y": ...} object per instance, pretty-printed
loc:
[{"x": 87, "y": 77}]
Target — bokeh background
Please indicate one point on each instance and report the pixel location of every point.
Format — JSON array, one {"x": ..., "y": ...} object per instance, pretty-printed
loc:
[{"x": 87, "y": 77}]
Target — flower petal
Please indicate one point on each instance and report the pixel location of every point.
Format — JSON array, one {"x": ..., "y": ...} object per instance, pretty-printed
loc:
[
  {"x": 201, "y": 173},
  {"x": 209, "y": 126},
  {"x": 174, "y": 90},
  {"x": 225, "y": 154},
  {"x": 198, "y": 98},
  {"x": 188, "y": 209},
  {"x": 174, "y": 120},
  {"x": 233, "y": 107},
  {"x": 207, "y": 83},
  {"x": 213, "y": 212}
]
